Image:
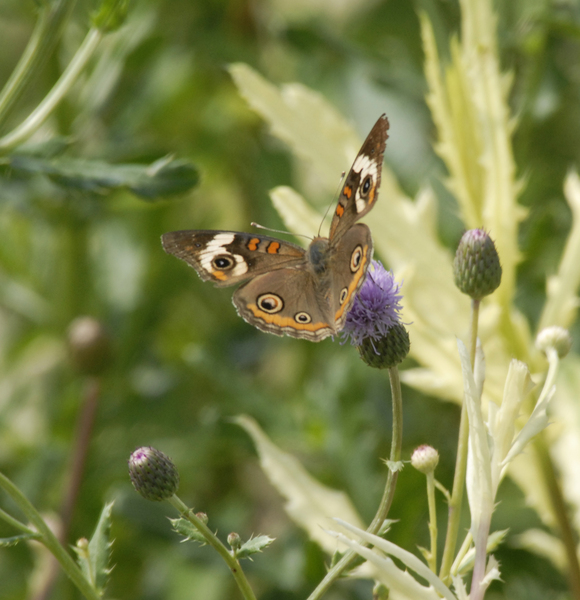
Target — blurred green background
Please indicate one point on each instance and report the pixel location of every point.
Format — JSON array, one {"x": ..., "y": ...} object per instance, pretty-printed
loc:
[{"x": 183, "y": 361}]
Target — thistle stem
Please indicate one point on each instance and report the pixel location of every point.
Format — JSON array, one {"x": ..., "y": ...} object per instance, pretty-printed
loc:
[
  {"x": 48, "y": 539},
  {"x": 215, "y": 543},
  {"x": 454, "y": 512},
  {"x": 389, "y": 491},
  {"x": 432, "y": 521}
]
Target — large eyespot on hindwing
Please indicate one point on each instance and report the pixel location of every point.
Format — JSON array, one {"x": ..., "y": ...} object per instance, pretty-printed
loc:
[
  {"x": 355, "y": 260},
  {"x": 223, "y": 262},
  {"x": 270, "y": 303},
  {"x": 343, "y": 295},
  {"x": 302, "y": 318}
]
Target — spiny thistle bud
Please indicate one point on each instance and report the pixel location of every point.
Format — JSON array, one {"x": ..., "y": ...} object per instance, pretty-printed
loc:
[
  {"x": 554, "y": 337},
  {"x": 476, "y": 267},
  {"x": 388, "y": 351},
  {"x": 234, "y": 541},
  {"x": 202, "y": 517},
  {"x": 153, "y": 474},
  {"x": 373, "y": 323},
  {"x": 425, "y": 459},
  {"x": 89, "y": 345}
]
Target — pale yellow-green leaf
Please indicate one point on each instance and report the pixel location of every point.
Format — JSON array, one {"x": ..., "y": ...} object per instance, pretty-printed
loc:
[
  {"x": 302, "y": 118},
  {"x": 388, "y": 572},
  {"x": 468, "y": 100},
  {"x": 480, "y": 492},
  {"x": 526, "y": 472},
  {"x": 561, "y": 306},
  {"x": 309, "y": 503},
  {"x": 296, "y": 213},
  {"x": 543, "y": 544},
  {"x": 502, "y": 423}
]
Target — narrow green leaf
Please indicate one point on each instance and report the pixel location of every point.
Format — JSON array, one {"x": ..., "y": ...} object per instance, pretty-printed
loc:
[
  {"x": 164, "y": 177},
  {"x": 15, "y": 539}
]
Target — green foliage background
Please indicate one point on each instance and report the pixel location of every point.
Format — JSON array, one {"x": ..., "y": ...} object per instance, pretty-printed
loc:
[{"x": 183, "y": 361}]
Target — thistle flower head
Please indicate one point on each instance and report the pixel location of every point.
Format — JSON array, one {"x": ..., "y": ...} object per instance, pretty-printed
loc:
[
  {"x": 476, "y": 267},
  {"x": 373, "y": 323},
  {"x": 375, "y": 309},
  {"x": 153, "y": 474}
]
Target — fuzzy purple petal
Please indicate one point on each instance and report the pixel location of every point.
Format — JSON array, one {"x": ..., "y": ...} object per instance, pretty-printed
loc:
[{"x": 376, "y": 307}]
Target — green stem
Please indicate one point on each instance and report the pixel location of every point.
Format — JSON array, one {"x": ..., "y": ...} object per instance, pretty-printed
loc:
[
  {"x": 49, "y": 539},
  {"x": 15, "y": 523},
  {"x": 39, "y": 48},
  {"x": 389, "y": 492},
  {"x": 454, "y": 512},
  {"x": 215, "y": 543},
  {"x": 432, "y": 521},
  {"x": 79, "y": 61}
]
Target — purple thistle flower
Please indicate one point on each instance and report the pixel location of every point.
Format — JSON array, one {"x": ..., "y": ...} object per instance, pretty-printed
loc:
[{"x": 375, "y": 309}]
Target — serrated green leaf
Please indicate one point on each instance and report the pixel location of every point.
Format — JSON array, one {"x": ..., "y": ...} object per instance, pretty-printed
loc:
[
  {"x": 15, "y": 539},
  {"x": 94, "y": 558},
  {"x": 254, "y": 545},
  {"x": 164, "y": 177},
  {"x": 187, "y": 530}
]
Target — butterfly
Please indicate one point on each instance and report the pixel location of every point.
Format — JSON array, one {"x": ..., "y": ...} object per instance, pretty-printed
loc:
[{"x": 289, "y": 290}]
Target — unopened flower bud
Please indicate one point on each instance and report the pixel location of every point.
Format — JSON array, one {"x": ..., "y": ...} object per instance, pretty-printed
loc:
[
  {"x": 554, "y": 337},
  {"x": 153, "y": 474},
  {"x": 234, "y": 541},
  {"x": 387, "y": 351},
  {"x": 202, "y": 517},
  {"x": 425, "y": 459},
  {"x": 89, "y": 345},
  {"x": 476, "y": 267}
]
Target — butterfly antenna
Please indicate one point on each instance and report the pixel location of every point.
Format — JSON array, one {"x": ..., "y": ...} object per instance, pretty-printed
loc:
[
  {"x": 340, "y": 182},
  {"x": 258, "y": 226}
]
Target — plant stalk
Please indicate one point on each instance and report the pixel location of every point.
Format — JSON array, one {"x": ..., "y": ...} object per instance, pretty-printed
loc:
[{"x": 388, "y": 493}]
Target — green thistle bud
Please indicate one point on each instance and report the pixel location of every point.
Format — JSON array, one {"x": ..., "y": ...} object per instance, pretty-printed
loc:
[
  {"x": 202, "y": 517},
  {"x": 554, "y": 337},
  {"x": 425, "y": 459},
  {"x": 234, "y": 541},
  {"x": 89, "y": 345},
  {"x": 476, "y": 267},
  {"x": 387, "y": 351},
  {"x": 153, "y": 474}
]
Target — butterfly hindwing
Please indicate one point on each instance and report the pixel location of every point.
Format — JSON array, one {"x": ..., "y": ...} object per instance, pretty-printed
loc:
[
  {"x": 351, "y": 257},
  {"x": 290, "y": 301}
]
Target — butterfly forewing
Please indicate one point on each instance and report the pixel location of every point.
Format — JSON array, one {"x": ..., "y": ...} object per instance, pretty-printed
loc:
[
  {"x": 361, "y": 187},
  {"x": 230, "y": 257}
]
